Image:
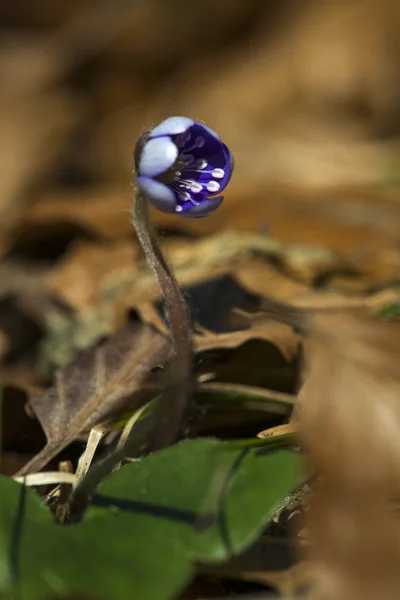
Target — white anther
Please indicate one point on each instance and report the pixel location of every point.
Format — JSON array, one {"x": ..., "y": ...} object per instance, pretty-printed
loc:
[
  {"x": 196, "y": 187},
  {"x": 201, "y": 163},
  {"x": 218, "y": 173},
  {"x": 178, "y": 208},
  {"x": 184, "y": 196},
  {"x": 213, "y": 186}
]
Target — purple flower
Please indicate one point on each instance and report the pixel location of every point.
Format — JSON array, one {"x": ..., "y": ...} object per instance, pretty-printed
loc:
[{"x": 181, "y": 165}]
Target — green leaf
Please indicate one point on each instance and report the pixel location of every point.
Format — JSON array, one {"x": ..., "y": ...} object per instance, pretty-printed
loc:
[
  {"x": 98, "y": 557},
  {"x": 170, "y": 490},
  {"x": 391, "y": 310},
  {"x": 143, "y": 536},
  {"x": 218, "y": 394}
]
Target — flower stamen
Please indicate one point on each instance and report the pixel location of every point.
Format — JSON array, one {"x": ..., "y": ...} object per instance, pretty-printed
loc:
[
  {"x": 213, "y": 186},
  {"x": 184, "y": 196},
  {"x": 216, "y": 173}
]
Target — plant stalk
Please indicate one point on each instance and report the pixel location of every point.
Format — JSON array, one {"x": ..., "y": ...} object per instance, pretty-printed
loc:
[{"x": 179, "y": 387}]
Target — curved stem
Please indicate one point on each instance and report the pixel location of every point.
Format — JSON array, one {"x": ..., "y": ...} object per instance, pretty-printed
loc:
[{"x": 173, "y": 408}]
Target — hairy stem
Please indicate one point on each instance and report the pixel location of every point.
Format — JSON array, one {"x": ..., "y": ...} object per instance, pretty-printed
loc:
[{"x": 173, "y": 407}]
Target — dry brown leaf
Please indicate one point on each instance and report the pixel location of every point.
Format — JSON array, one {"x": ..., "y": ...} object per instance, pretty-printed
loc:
[
  {"x": 83, "y": 276},
  {"x": 260, "y": 278},
  {"x": 286, "y": 581},
  {"x": 226, "y": 248},
  {"x": 280, "y": 335},
  {"x": 349, "y": 422},
  {"x": 263, "y": 265},
  {"x": 365, "y": 354},
  {"x": 304, "y": 308},
  {"x": 96, "y": 385},
  {"x": 104, "y": 211},
  {"x": 94, "y": 275},
  {"x": 349, "y": 220},
  {"x": 286, "y": 429}
]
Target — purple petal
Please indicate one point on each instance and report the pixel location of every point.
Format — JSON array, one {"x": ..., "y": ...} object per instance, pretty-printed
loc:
[
  {"x": 158, "y": 155},
  {"x": 210, "y": 131},
  {"x": 172, "y": 126},
  {"x": 159, "y": 194},
  {"x": 229, "y": 158},
  {"x": 199, "y": 141},
  {"x": 206, "y": 207}
]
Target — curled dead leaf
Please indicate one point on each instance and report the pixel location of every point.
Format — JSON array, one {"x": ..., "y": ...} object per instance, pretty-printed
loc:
[
  {"x": 278, "y": 334},
  {"x": 99, "y": 383}
]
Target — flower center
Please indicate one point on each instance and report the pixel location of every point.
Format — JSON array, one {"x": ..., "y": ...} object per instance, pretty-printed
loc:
[{"x": 190, "y": 175}]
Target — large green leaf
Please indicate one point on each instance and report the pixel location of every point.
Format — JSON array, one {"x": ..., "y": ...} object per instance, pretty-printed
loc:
[
  {"x": 97, "y": 557},
  {"x": 170, "y": 490},
  {"x": 142, "y": 537}
]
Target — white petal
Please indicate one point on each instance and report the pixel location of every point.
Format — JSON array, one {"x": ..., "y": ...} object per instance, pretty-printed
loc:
[
  {"x": 158, "y": 155},
  {"x": 172, "y": 126},
  {"x": 158, "y": 194}
]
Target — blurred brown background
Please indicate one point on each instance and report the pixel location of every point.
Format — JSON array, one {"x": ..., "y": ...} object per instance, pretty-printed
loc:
[{"x": 304, "y": 92}]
